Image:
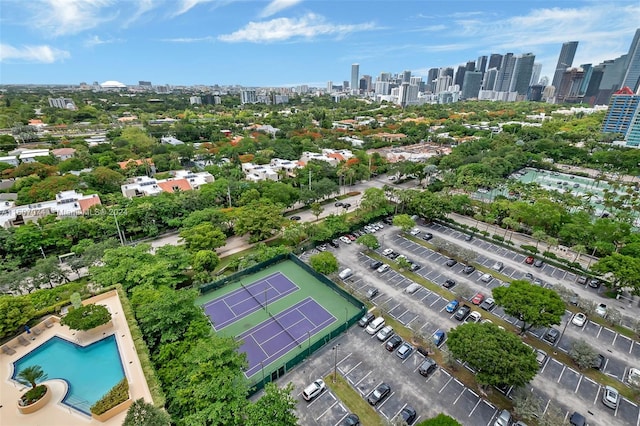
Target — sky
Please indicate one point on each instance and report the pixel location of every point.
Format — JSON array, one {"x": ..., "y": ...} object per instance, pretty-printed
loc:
[{"x": 276, "y": 43}]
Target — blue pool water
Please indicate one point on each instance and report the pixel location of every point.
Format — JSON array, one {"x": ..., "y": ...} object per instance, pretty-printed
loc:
[{"x": 90, "y": 371}]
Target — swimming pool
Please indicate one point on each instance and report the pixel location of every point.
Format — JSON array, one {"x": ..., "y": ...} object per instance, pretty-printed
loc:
[{"x": 90, "y": 371}]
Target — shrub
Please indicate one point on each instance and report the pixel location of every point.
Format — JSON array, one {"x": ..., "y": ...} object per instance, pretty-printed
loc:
[
  {"x": 485, "y": 233},
  {"x": 474, "y": 229},
  {"x": 118, "y": 394},
  {"x": 528, "y": 248},
  {"x": 86, "y": 317},
  {"x": 550, "y": 255},
  {"x": 33, "y": 395},
  {"x": 497, "y": 237}
]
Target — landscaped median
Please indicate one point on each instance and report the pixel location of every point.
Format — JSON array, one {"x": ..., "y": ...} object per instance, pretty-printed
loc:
[{"x": 353, "y": 400}]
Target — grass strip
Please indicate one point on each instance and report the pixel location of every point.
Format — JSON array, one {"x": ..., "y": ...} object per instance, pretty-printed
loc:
[{"x": 354, "y": 402}]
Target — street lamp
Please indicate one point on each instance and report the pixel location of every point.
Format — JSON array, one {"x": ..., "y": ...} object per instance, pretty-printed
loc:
[{"x": 335, "y": 362}]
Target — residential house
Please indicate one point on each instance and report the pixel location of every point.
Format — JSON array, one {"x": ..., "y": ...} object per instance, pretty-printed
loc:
[{"x": 63, "y": 153}]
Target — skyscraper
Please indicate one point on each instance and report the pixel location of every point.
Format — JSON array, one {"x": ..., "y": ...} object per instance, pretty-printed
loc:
[
  {"x": 471, "y": 84},
  {"x": 460, "y": 75},
  {"x": 565, "y": 60},
  {"x": 489, "y": 81},
  {"x": 622, "y": 109},
  {"x": 632, "y": 76},
  {"x": 481, "y": 64},
  {"x": 505, "y": 74},
  {"x": 535, "y": 76},
  {"x": 495, "y": 60},
  {"x": 355, "y": 78},
  {"x": 522, "y": 74},
  {"x": 431, "y": 79},
  {"x": 406, "y": 76}
]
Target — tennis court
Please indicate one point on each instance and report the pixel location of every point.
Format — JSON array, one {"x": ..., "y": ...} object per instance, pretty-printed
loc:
[
  {"x": 280, "y": 312},
  {"x": 232, "y": 307},
  {"x": 282, "y": 332}
]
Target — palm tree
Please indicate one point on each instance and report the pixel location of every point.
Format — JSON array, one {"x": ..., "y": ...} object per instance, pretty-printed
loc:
[{"x": 31, "y": 375}]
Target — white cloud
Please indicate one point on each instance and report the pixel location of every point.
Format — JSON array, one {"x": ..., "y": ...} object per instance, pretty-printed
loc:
[
  {"x": 143, "y": 7},
  {"x": 188, "y": 39},
  {"x": 186, "y": 5},
  {"x": 281, "y": 29},
  {"x": 276, "y": 6},
  {"x": 97, "y": 41},
  {"x": 60, "y": 17},
  {"x": 42, "y": 54}
]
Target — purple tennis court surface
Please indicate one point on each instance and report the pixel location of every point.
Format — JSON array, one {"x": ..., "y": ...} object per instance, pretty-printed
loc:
[
  {"x": 239, "y": 303},
  {"x": 268, "y": 341}
]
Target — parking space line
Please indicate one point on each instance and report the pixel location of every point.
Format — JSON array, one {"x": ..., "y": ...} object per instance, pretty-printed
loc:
[
  {"x": 614, "y": 339},
  {"x": 597, "y": 393},
  {"x": 324, "y": 412},
  {"x": 463, "y": 389},
  {"x": 445, "y": 385},
  {"x": 348, "y": 355},
  {"x": 546, "y": 407},
  {"x": 365, "y": 376},
  {"x": 578, "y": 385},
  {"x": 352, "y": 368},
  {"x": 599, "y": 331},
  {"x": 561, "y": 373},
  {"x": 320, "y": 397},
  {"x": 399, "y": 411},
  {"x": 475, "y": 406},
  {"x": 384, "y": 402},
  {"x": 633, "y": 342}
]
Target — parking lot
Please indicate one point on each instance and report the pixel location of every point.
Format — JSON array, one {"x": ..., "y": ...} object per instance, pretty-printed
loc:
[{"x": 424, "y": 311}]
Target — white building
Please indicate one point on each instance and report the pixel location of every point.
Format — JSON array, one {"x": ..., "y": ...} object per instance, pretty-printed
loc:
[
  {"x": 29, "y": 155},
  {"x": 170, "y": 140},
  {"x": 64, "y": 103},
  {"x": 255, "y": 172},
  {"x": 63, "y": 153},
  {"x": 182, "y": 180},
  {"x": 10, "y": 159},
  {"x": 333, "y": 157}
]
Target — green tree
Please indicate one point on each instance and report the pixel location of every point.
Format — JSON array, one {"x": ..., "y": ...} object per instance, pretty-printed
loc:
[
  {"x": 276, "y": 407},
  {"x": 440, "y": 420},
  {"x": 369, "y": 241},
  {"x": 625, "y": 270},
  {"x": 86, "y": 317},
  {"x": 582, "y": 354},
  {"x": 205, "y": 236},
  {"x": 535, "y": 306},
  {"x": 260, "y": 219},
  {"x": 15, "y": 311},
  {"x": 205, "y": 261},
  {"x": 141, "y": 413},
  {"x": 316, "y": 209},
  {"x": 404, "y": 222},
  {"x": 31, "y": 375},
  {"x": 526, "y": 405},
  {"x": 324, "y": 262},
  {"x": 498, "y": 357}
]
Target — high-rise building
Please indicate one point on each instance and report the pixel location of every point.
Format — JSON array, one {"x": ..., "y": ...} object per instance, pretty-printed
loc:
[
  {"x": 633, "y": 134},
  {"x": 632, "y": 75},
  {"x": 355, "y": 78},
  {"x": 385, "y": 76},
  {"x": 382, "y": 87},
  {"x": 505, "y": 73},
  {"x": 535, "y": 75},
  {"x": 406, "y": 76},
  {"x": 495, "y": 60},
  {"x": 471, "y": 84},
  {"x": 481, "y": 64},
  {"x": 446, "y": 71},
  {"x": 622, "y": 109},
  {"x": 569, "y": 89},
  {"x": 522, "y": 73},
  {"x": 329, "y": 86},
  {"x": 535, "y": 92},
  {"x": 432, "y": 75},
  {"x": 489, "y": 81},
  {"x": 248, "y": 97},
  {"x": 612, "y": 77},
  {"x": 565, "y": 60},
  {"x": 588, "y": 71},
  {"x": 365, "y": 83},
  {"x": 443, "y": 83}
]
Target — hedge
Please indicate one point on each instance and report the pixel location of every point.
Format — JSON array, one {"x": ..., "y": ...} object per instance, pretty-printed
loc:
[{"x": 117, "y": 395}]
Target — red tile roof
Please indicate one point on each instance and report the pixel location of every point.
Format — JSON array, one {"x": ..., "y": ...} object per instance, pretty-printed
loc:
[
  {"x": 169, "y": 185},
  {"x": 124, "y": 164},
  {"x": 337, "y": 156},
  {"x": 87, "y": 203}
]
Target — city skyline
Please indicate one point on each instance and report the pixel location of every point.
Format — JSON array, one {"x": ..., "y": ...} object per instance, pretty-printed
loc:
[{"x": 291, "y": 42}]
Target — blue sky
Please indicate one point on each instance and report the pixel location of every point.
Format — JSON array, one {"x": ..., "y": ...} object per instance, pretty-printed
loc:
[{"x": 290, "y": 42}]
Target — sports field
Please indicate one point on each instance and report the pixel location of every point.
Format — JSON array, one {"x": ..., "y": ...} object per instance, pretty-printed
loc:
[{"x": 278, "y": 313}]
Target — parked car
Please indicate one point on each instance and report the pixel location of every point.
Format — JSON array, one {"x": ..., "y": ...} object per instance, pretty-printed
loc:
[
  {"x": 379, "y": 394},
  {"x": 393, "y": 255},
  {"x": 601, "y": 310},
  {"x": 594, "y": 283},
  {"x": 528, "y": 276},
  {"x": 415, "y": 267},
  {"x": 345, "y": 273},
  {"x": 366, "y": 319},
  {"x": 415, "y": 231},
  {"x": 598, "y": 362},
  {"x": 427, "y": 236},
  {"x": 488, "y": 304},
  {"x": 541, "y": 357},
  {"x": 633, "y": 376},
  {"x": 486, "y": 278},
  {"x": 393, "y": 343},
  {"x": 610, "y": 397},
  {"x": 338, "y": 204},
  {"x": 412, "y": 288},
  {"x": 375, "y": 264},
  {"x": 452, "y": 306},
  {"x": 498, "y": 266},
  {"x": 439, "y": 337},
  {"x": 351, "y": 237},
  {"x": 383, "y": 268},
  {"x": 351, "y": 420},
  {"x": 384, "y": 333},
  {"x": 322, "y": 247},
  {"x": 372, "y": 292},
  {"x": 551, "y": 335},
  {"x": 504, "y": 419},
  {"x": 577, "y": 419},
  {"x": 538, "y": 263},
  {"x": 387, "y": 252},
  {"x": 477, "y": 299},
  {"x": 427, "y": 366},
  {"x": 334, "y": 243},
  {"x": 388, "y": 220},
  {"x": 468, "y": 237},
  {"x": 449, "y": 283},
  {"x": 473, "y": 317},
  {"x": 582, "y": 280},
  {"x": 408, "y": 414},
  {"x": 404, "y": 350},
  {"x": 574, "y": 299},
  {"x": 345, "y": 240},
  {"x": 462, "y": 313},
  {"x": 529, "y": 260},
  {"x": 579, "y": 319},
  {"x": 313, "y": 390},
  {"x": 451, "y": 262},
  {"x": 375, "y": 326},
  {"x": 469, "y": 269},
  {"x": 346, "y": 205}
]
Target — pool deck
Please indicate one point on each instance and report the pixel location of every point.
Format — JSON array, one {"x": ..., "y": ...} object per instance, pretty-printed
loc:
[{"x": 55, "y": 413}]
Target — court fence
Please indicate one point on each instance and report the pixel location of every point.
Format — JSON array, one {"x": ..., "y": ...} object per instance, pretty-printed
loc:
[{"x": 306, "y": 351}]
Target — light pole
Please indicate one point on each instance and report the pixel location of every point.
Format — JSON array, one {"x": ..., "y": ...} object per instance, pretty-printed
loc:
[
  {"x": 563, "y": 330},
  {"x": 335, "y": 362}
]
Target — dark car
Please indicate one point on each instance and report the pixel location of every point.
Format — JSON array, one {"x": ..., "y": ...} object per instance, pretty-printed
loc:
[
  {"x": 394, "y": 255},
  {"x": 438, "y": 337},
  {"x": 577, "y": 419},
  {"x": 366, "y": 319},
  {"x": 350, "y": 420},
  {"x": 375, "y": 264},
  {"x": 404, "y": 350},
  {"x": 598, "y": 362},
  {"x": 427, "y": 367},
  {"x": 594, "y": 283},
  {"x": 408, "y": 414},
  {"x": 538, "y": 263},
  {"x": 295, "y": 217},
  {"x": 449, "y": 283},
  {"x": 346, "y": 205},
  {"x": 451, "y": 262},
  {"x": 551, "y": 335},
  {"x": 393, "y": 343},
  {"x": 334, "y": 243},
  {"x": 462, "y": 313},
  {"x": 468, "y": 238},
  {"x": 379, "y": 394},
  {"x": 427, "y": 236},
  {"x": 488, "y": 304},
  {"x": 338, "y": 204},
  {"x": 469, "y": 269},
  {"x": 415, "y": 267},
  {"x": 388, "y": 220},
  {"x": 574, "y": 299}
]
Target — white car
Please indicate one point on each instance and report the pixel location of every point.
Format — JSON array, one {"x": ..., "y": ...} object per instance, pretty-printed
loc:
[
  {"x": 498, "y": 266},
  {"x": 473, "y": 317},
  {"x": 387, "y": 252},
  {"x": 486, "y": 278},
  {"x": 633, "y": 377},
  {"x": 383, "y": 268},
  {"x": 602, "y": 310},
  {"x": 385, "y": 333},
  {"x": 345, "y": 240},
  {"x": 579, "y": 319},
  {"x": 313, "y": 390},
  {"x": 415, "y": 231}
]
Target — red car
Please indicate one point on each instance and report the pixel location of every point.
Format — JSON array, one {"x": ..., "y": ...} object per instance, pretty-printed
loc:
[
  {"x": 477, "y": 299},
  {"x": 529, "y": 260}
]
